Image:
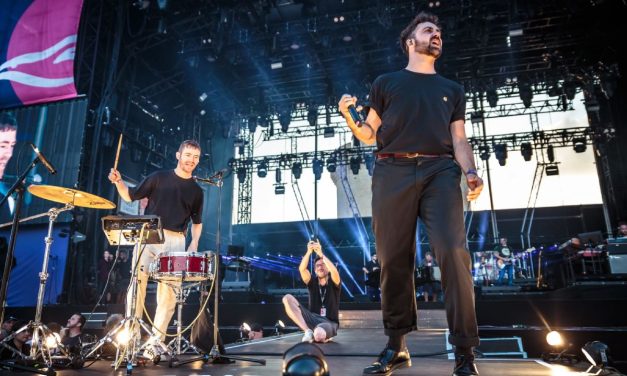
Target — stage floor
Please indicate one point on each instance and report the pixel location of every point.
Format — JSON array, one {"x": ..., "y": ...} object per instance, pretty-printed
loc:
[{"x": 347, "y": 354}]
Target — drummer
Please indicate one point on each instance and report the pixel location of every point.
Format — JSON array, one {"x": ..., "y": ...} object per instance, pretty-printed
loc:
[{"x": 175, "y": 196}]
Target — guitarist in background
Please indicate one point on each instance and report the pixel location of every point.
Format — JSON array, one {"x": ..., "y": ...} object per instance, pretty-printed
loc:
[{"x": 505, "y": 259}]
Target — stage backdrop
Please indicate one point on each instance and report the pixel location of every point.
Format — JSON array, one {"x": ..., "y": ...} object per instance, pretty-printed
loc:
[{"x": 37, "y": 47}]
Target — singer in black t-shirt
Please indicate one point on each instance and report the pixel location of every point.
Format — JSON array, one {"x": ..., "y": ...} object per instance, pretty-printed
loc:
[
  {"x": 177, "y": 199},
  {"x": 321, "y": 321}
]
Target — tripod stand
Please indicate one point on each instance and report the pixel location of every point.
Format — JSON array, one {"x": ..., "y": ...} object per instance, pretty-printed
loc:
[
  {"x": 179, "y": 344},
  {"x": 41, "y": 348},
  {"x": 214, "y": 356},
  {"x": 126, "y": 336}
]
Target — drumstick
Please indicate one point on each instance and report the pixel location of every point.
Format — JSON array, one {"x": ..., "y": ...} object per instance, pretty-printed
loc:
[{"x": 117, "y": 154}]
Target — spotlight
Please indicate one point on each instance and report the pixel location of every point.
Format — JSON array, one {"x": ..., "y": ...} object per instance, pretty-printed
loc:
[
  {"x": 262, "y": 169},
  {"x": 279, "y": 189},
  {"x": 52, "y": 341},
  {"x": 277, "y": 175},
  {"x": 526, "y": 95},
  {"x": 550, "y": 153},
  {"x": 552, "y": 170},
  {"x": 318, "y": 166},
  {"x": 123, "y": 336},
  {"x": 554, "y": 339},
  {"x": 526, "y": 151},
  {"x": 202, "y": 97},
  {"x": 492, "y": 97},
  {"x": 476, "y": 117},
  {"x": 597, "y": 353},
  {"x": 304, "y": 359},
  {"x": 579, "y": 145},
  {"x": 500, "y": 152},
  {"x": 329, "y": 132},
  {"x": 244, "y": 329},
  {"x": 484, "y": 152},
  {"x": 279, "y": 328},
  {"x": 297, "y": 169},
  {"x": 355, "y": 164},
  {"x": 252, "y": 124},
  {"x": 241, "y": 174},
  {"x": 312, "y": 116},
  {"x": 331, "y": 164},
  {"x": 285, "y": 118}
]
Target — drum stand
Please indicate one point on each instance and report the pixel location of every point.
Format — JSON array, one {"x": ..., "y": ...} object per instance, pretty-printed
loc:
[
  {"x": 39, "y": 348},
  {"x": 179, "y": 344},
  {"x": 126, "y": 336}
]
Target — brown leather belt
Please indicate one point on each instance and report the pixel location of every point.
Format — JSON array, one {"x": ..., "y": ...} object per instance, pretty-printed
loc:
[{"x": 411, "y": 155}]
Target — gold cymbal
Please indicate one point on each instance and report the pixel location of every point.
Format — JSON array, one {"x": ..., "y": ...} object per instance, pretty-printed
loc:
[{"x": 69, "y": 195}]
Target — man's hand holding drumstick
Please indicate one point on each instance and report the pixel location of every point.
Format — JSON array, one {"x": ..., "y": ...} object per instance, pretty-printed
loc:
[{"x": 116, "y": 178}]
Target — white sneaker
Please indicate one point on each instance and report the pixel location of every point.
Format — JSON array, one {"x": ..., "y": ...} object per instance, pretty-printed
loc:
[{"x": 308, "y": 336}]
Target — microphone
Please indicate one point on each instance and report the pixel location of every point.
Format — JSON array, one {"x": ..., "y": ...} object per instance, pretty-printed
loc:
[
  {"x": 43, "y": 160},
  {"x": 355, "y": 115},
  {"x": 212, "y": 179},
  {"x": 218, "y": 174}
]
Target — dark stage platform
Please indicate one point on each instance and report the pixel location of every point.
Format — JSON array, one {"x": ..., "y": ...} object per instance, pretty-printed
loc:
[{"x": 347, "y": 354}]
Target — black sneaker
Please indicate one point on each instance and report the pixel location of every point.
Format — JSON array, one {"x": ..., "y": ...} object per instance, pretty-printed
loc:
[
  {"x": 465, "y": 365},
  {"x": 388, "y": 361}
]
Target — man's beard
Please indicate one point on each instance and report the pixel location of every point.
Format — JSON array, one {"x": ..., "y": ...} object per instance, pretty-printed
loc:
[{"x": 428, "y": 49}]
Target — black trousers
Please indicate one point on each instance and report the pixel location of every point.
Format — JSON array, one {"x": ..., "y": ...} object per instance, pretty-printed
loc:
[{"x": 429, "y": 188}]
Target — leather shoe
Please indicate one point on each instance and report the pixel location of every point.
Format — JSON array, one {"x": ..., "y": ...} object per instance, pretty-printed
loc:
[
  {"x": 465, "y": 365},
  {"x": 388, "y": 361}
]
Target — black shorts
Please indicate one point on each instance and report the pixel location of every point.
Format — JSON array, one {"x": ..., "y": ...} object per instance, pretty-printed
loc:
[{"x": 314, "y": 320}]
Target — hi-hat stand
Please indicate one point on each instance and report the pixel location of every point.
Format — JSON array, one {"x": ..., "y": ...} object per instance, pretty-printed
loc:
[{"x": 214, "y": 356}]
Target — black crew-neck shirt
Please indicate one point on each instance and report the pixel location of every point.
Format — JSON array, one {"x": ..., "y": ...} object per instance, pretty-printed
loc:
[
  {"x": 416, "y": 110},
  {"x": 331, "y": 301},
  {"x": 175, "y": 199}
]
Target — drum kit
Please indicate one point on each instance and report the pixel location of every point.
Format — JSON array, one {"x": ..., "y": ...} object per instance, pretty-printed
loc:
[
  {"x": 487, "y": 266},
  {"x": 180, "y": 270}
]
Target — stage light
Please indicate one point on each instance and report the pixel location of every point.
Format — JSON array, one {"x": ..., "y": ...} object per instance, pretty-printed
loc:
[
  {"x": 355, "y": 164},
  {"x": 552, "y": 170},
  {"x": 312, "y": 116},
  {"x": 202, "y": 97},
  {"x": 244, "y": 329},
  {"x": 597, "y": 353},
  {"x": 331, "y": 164},
  {"x": 329, "y": 132},
  {"x": 252, "y": 124},
  {"x": 53, "y": 340},
  {"x": 500, "y": 152},
  {"x": 285, "y": 118},
  {"x": 279, "y": 189},
  {"x": 297, "y": 169},
  {"x": 279, "y": 328},
  {"x": 492, "y": 97},
  {"x": 304, "y": 359},
  {"x": 277, "y": 175},
  {"x": 484, "y": 152},
  {"x": 241, "y": 174},
  {"x": 318, "y": 166},
  {"x": 525, "y": 93},
  {"x": 526, "y": 151},
  {"x": 476, "y": 117},
  {"x": 579, "y": 145},
  {"x": 550, "y": 153},
  {"x": 123, "y": 336},
  {"x": 554, "y": 339},
  {"x": 262, "y": 169}
]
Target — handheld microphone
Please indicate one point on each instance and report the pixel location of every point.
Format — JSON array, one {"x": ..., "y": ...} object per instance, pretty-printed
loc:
[
  {"x": 355, "y": 115},
  {"x": 43, "y": 160}
]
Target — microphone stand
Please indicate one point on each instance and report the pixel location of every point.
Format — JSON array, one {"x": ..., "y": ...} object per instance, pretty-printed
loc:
[
  {"x": 214, "y": 356},
  {"x": 18, "y": 188}
]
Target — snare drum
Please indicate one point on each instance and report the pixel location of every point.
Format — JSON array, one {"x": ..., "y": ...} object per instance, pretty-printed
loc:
[{"x": 183, "y": 266}]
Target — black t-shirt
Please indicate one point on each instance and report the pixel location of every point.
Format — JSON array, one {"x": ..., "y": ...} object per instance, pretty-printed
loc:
[
  {"x": 171, "y": 197},
  {"x": 327, "y": 295},
  {"x": 72, "y": 342},
  {"x": 416, "y": 111}
]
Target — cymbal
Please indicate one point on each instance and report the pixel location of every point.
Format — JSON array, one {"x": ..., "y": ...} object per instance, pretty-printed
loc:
[{"x": 69, "y": 195}]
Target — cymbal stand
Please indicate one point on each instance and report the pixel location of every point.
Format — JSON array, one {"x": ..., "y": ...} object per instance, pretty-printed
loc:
[
  {"x": 179, "y": 344},
  {"x": 40, "y": 332},
  {"x": 126, "y": 336},
  {"x": 214, "y": 356}
]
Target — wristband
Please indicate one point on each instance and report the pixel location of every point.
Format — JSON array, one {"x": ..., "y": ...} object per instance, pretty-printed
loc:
[{"x": 471, "y": 171}]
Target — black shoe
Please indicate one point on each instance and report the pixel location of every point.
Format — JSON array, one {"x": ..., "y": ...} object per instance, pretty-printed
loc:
[
  {"x": 388, "y": 361},
  {"x": 465, "y": 365}
]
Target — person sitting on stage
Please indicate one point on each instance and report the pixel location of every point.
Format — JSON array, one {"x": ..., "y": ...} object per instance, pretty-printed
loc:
[
  {"x": 373, "y": 275},
  {"x": 18, "y": 343},
  {"x": 321, "y": 321},
  {"x": 71, "y": 334},
  {"x": 175, "y": 196},
  {"x": 503, "y": 253}
]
